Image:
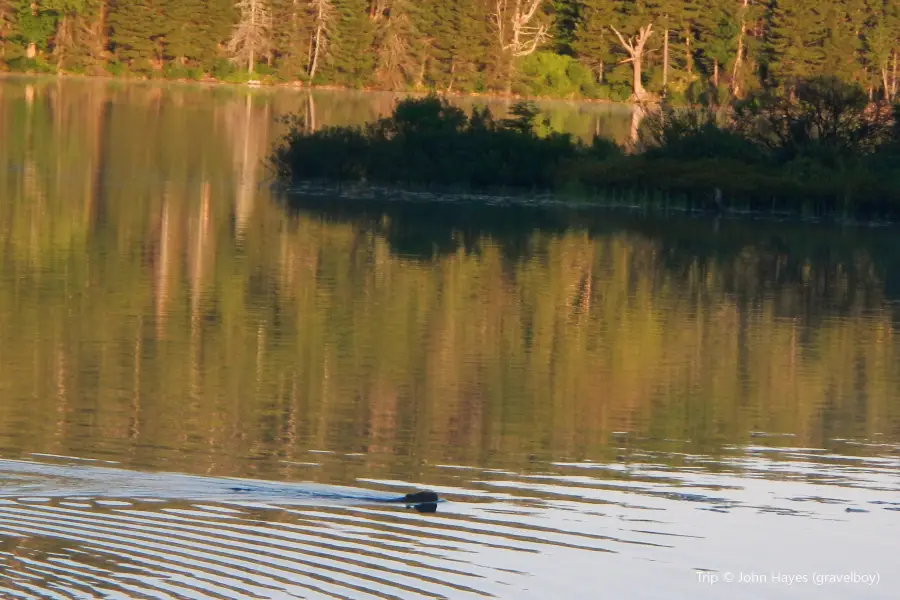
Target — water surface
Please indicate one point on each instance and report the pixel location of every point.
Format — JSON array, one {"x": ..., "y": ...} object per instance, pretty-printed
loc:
[{"x": 610, "y": 404}]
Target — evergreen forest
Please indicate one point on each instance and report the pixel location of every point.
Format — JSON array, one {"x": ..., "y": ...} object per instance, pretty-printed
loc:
[{"x": 684, "y": 50}]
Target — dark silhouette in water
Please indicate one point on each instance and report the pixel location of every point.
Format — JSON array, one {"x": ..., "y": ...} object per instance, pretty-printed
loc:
[
  {"x": 417, "y": 498},
  {"x": 425, "y": 501}
]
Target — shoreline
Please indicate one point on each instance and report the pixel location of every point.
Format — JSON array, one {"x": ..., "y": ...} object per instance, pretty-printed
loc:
[
  {"x": 363, "y": 197},
  {"x": 299, "y": 86}
]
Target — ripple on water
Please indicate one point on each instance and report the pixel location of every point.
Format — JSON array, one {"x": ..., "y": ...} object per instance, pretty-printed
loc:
[{"x": 572, "y": 527}]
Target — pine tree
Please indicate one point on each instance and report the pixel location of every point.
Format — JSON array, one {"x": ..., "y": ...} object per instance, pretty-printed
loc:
[
  {"x": 137, "y": 29},
  {"x": 293, "y": 36},
  {"x": 566, "y": 15},
  {"x": 593, "y": 35},
  {"x": 717, "y": 30},
  {"x": 796, "y": 40},
  {"x": 182, "y": 42},
  {"x": 842, "y": 47},
  {"x": 352, "y": 58},
  {"x": 881, "y": 41},
  {"x": 470, "y": 48},
  {"x": 252, "y": 34},
  {"x": 399, "y": 56}
]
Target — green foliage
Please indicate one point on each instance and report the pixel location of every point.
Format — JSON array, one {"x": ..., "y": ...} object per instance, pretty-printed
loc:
[
  {"x": 695, "y": 133},
  {"x": 548, "y": 74},
  {"x": 427, "y": 141},
  {"x": 828, "y": 119},
  {"x": 717, "y": 48},
  {"x": 822, "y": 147},
  {"x": 21, "y": 64}
]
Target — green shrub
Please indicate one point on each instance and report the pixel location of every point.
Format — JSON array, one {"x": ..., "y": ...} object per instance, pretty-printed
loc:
[
  {"x": 427, "y": 141},
  {"x": 692, "y": 134},
  {"x": 222, "y": 69},
  {"x": 115, "y": 68},
  {"x": 551, "y": 74},
  {"x": 22, "y": 64}
]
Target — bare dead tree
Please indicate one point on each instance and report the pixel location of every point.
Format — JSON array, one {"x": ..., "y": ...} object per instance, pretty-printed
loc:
[
  {"x": 519, "y": 30},
  {"x": 324, "y": 14},
  {"x": 636, "y": 47},
  {"x": 251, "y": 35},
  {"x": 739, "y": 55}
]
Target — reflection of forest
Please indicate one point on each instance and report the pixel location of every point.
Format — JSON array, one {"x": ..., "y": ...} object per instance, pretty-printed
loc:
[{"x": 154, "y": 302}]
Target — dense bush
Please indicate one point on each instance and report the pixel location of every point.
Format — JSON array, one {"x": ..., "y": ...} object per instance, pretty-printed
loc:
[
  {"x": 824, "y": 150},
  {"x": 695, "y": 133},
  {"x": 549, "y": 74},
  {"x": 429, "y": 142}
]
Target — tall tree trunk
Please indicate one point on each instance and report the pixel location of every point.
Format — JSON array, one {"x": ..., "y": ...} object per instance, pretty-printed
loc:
[
  {"x": 635, "y": 46},
  {"x": 637, "y": 115},
  {"x": 716, "y": 73},
  {"x": 452, "y": 74},
  {"x": 31, "y": 51},
  {"x": 251, "y": 60},
  {"x": 739, "y": 56},
  {"x": 315, "y": 56},
  {"x": 885, "y": 81},
  {"x": 666, "y": 60},
  {"x": 638, "y": 76},
  {"x": 688, "y": 57},
  {"x": 894, "y": 77}
]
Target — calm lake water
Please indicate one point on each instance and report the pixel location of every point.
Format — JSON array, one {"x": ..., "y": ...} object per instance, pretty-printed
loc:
[{"x": 612, "y": 405}]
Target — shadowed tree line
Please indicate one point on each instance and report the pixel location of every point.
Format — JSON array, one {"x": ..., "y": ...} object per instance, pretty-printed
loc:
[
  {"x": 826, "y": 150},
  {"x": 684, "y": 50}
]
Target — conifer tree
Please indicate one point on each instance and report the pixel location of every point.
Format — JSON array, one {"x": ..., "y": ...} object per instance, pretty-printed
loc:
[
  {"x": 717, "y": 32},
  {"x": 137, "y": 29},
  {"x": 182, "y": 41},
  {"x": 252, "y": 34},
  {"x": 593, "y": 35},
  {"x": 471, "y": 45},
  {"x": 399, "y": 57},
  {"x": 351, "y": 59},
  {"x": 322, "y": 22},
  {"x": 881, "y": 40},
  {"x": 796, "y": 38}
]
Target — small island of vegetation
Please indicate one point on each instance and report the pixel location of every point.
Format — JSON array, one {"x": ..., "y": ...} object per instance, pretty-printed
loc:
[{"x": 823, "y": 149}]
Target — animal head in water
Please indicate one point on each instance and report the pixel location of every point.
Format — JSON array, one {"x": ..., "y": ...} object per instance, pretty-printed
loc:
[{"x": 421, "y": 498}]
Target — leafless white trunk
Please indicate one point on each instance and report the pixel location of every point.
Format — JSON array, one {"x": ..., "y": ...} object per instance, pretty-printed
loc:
[
  {"x": 739, "y": 57},
  {"x": 251, "y": 34},
  {"x": 666, "y": 60},
  {"x": 519, "y": 31},
  {"x": 635, "y": 46},
  {"x": 324, "y": 15},
  {"x": 886, "y": 82},
  {"x": 894, "y": 76},
  {"x": 31, "y": 51}
]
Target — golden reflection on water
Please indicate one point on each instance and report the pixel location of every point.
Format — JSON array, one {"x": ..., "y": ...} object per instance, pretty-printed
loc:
[{"x": 160, "y": 308}]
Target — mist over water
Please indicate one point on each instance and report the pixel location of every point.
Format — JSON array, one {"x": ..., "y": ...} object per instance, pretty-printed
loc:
[{"x": 610, "y": 404}]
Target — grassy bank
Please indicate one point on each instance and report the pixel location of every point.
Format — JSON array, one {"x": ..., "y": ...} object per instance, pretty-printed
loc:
[{"x": 825, "y": 151}]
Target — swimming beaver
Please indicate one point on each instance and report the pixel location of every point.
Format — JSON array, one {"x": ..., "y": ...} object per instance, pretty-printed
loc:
[
  {"x": 425, "y": 501},
  {"x": 416, "y": 498}
]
